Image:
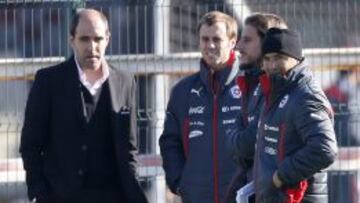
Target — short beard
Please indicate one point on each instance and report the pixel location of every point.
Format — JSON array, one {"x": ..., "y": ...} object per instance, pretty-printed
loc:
[{"x": 247, "y": 66}]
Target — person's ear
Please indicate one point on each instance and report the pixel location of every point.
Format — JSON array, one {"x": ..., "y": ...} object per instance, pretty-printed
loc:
[
  {"x": 108, "y": 35},
  {"x": 233, "y": 42},
  {"x": 71, "y": 41}
]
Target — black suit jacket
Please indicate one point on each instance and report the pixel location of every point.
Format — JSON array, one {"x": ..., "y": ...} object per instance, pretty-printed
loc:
[{"x": 50, "y": 142}]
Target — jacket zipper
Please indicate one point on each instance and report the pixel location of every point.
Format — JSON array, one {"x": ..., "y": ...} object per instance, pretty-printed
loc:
[
  {"x": 215, "y": 150},
  {"x": 259, "y": 144}
]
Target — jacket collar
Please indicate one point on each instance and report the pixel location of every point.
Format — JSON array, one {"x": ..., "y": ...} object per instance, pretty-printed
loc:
[
  {"x": 275, "y": 88},
  {"x": 248, "y": 79},
  {"x": 224, "y": 77},
  {"x": 294, "y": 76},
  {"x": 73, "y": 84},
  {"x": 115, "y": 84}
]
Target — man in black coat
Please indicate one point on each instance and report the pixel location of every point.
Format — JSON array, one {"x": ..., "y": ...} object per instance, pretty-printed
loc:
[{"x": 78, "y": 140}]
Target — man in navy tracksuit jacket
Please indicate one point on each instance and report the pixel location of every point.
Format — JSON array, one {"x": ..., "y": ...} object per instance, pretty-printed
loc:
[
  {"x": 201, "y": 109},
  {"x": 296, "y": 138},
  {"x": 249, "y": 46}
]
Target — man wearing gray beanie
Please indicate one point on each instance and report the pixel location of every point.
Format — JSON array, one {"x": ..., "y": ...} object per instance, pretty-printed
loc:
[{"x": 296, "y": 139}]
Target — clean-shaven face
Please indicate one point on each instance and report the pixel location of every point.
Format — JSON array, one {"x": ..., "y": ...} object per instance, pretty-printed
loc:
[
  {"x": 215, "y": 45},
  {"x": 90, "y": 41}
]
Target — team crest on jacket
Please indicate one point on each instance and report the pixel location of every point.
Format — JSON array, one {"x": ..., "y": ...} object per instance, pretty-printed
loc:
[
  {"x": 235, "y": 92},
  {"x": 284, "y": 101}
]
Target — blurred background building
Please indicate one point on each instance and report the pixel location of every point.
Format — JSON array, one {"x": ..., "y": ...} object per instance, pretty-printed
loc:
[{"x": 157, "y": 40}]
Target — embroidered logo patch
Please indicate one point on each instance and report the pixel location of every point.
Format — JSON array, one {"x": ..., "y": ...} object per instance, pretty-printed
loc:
[
  {"x": 251, "y": 118},
  {"x": 195, "y": 91},
  {"x": 235, "y": 92},
  {"x": 196, "y": 110},
  {"x": 225, "y": 109},
  {"x": 195, "y": 133},
  {"x": 271, "y": 128},
  {"x": 229, "y": 121},
  {"x": 270, "y": 151},
  {"x": 197, "y": 123}
]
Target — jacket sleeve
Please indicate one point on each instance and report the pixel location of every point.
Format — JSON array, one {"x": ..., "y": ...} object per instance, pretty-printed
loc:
[
  {"x": 127, "y": 145},
  {"x": 238, "y": 181},
  {"x": 133, "y": 129},
  {"x": 34, "y": 133},
  {"x": 171, "y": 146},
  {"x": 314, "y": 125},
  {"x": 241, "y": 139}
]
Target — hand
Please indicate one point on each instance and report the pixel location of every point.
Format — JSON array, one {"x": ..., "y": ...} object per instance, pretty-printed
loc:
[{"x": 276, "y": 180}]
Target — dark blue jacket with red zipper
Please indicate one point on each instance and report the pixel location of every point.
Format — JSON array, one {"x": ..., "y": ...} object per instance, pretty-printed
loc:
[
  {"x": 251, "y": 101},
  {"x": 296, "y": 138},
  {"x": 201, "y": 109},
  {"x": 244, "y": 132}
]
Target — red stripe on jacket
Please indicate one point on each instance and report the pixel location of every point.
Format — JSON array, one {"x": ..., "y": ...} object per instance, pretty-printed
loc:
[
  {"x": 266, "y": 87},
  {"x": 296, "y": 194},
  {"x": 244, "y": 88},
  {"x": 186, "y": 130},
  {"x": 215, "y": 151}
]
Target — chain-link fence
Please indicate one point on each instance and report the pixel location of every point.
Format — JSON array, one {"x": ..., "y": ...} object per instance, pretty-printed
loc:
[{"x": 157, "y": 40}]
